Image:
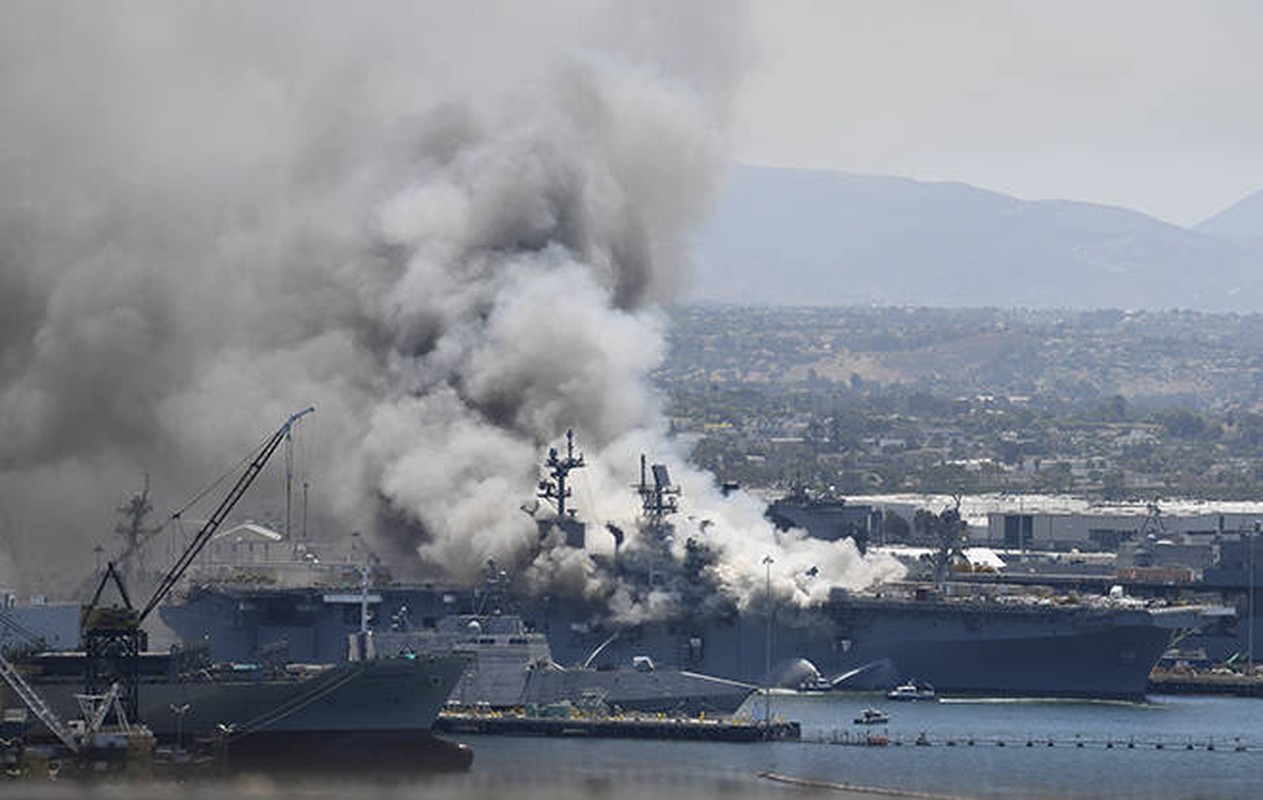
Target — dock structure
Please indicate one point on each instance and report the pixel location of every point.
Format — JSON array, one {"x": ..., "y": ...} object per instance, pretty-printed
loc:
[
  {"x": 619, "y": 727},
  {"x": 1205, "y": 682}
]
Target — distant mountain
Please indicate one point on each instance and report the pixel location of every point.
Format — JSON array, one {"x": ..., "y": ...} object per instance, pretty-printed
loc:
[
  {"x": 804, "y": 237},
  {"x": 1242, "y": 221}
]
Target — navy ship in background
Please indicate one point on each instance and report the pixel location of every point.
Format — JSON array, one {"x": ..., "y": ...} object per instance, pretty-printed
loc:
[
  {"x": 824, "y": 517},
  {"x": 959, "y": 638},
  {"x": 266, "y": 710},
  {"x": 370, "y": 706},
  {"x": 511, "y": 665}
]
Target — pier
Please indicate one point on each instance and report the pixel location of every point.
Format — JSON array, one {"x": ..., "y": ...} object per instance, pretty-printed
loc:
[
  {"x": 1205, "y": 682},
  {"x": 617, "y": 727}
]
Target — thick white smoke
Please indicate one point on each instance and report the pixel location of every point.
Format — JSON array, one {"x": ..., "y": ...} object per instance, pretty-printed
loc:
[
  {"x": 448, "y": 228},
  {"x": 803, "y": 569}
]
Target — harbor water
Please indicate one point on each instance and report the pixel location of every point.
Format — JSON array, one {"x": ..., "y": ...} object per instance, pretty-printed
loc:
[{"x": 1168, "y": 748}]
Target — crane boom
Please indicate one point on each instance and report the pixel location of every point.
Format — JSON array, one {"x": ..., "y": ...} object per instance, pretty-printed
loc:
[
  {"x": 216, "y": 519},
  {"x": 37, "y": 705}
]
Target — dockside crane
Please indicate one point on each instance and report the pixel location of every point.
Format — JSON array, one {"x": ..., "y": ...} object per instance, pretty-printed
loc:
[{"x": 112, "y": 637}]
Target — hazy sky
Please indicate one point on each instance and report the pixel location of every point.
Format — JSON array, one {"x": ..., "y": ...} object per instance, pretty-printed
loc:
[{"x": 1151, "y": 104}]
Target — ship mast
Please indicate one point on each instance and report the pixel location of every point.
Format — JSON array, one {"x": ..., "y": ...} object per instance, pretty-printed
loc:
[
  {"x": 555, "y": 490},
  {"x": 559, "y": 468},
  {"x": 135, "y": 532},
  {"x": 949, "y": 531},
  {"x": 657, "y": 502}
]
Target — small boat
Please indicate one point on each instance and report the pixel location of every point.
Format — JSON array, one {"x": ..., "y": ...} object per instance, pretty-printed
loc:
[
  {"x": 872, "y": 716},
  {"x": 912, "y": 691}
]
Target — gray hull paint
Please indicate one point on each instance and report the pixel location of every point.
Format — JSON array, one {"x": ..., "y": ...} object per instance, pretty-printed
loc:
[
  {"x": 1031, "y": 653},
  {"x": 398, "y": 695},
  {"x": 666, "y": 690},
  {"x": 510, "y": 666},
  {"x": 960, "y": 647}
]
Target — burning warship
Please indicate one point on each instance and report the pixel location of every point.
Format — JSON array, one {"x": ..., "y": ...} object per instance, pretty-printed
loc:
[
  {"x": 709, "y": 642},
  {"x": 461, "y": 281}
]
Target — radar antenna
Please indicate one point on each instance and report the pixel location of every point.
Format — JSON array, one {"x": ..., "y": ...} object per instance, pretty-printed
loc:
[{"x": 658, "y": 501}]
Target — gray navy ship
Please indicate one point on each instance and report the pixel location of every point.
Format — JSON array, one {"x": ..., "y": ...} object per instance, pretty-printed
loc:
[
  {"x": 269, "y": 708},
  {"x": 180, "y": 698},
  {"x": 512, "y": 667},
  {"x": 961, "y": 639}
]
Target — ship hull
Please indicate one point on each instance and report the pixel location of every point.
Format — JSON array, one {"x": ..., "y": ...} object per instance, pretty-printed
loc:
[
  {"x": 667, "y": 691},
  {"x": 376, "y": 752},
  {"x": 510, "y": 667},
  {"x": 961, "y": 647},
  {"x": 396, "y": 695},
  {"x": 876, "y": 645},
  {"x": 1113, "y": 664}
]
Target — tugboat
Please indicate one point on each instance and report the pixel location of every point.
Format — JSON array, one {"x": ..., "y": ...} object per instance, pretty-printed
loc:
[{"x": 913, "y": 692}]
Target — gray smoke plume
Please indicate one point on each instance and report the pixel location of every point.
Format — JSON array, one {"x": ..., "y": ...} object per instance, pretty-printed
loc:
[{"x": 448, "y": 226}]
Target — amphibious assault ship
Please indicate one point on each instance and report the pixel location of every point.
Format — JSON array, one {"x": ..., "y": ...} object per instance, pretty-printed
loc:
[{"x": 962, "y": 640}]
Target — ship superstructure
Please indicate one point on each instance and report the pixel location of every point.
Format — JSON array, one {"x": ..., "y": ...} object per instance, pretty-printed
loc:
[{"x": 511, "y": 665}]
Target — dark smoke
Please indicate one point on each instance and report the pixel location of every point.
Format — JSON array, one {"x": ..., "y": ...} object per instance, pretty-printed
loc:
[
  {"x": 448, "y": 227},
  {"x": 438, "y": 224}
]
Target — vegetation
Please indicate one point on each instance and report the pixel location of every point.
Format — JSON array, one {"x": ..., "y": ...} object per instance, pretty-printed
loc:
[{"x": 875, "y": 400}]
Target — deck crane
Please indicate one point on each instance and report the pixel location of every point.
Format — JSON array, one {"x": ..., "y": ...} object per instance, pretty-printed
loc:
[
  {"x": 112, "y": 637},
  {"x": 37, "y": 705}
]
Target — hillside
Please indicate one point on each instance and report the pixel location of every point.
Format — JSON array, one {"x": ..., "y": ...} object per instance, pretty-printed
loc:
[
  {"x": 1242, "y": 221},
  {"x": 801, "y": 237}
]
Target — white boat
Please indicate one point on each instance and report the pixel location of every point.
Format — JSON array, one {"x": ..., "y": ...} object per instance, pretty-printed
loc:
[
  {"x": 913, "y": 691},
  {"x": 872, "y": 716}
]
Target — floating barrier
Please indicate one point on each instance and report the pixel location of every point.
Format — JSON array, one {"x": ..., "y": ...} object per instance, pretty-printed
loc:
[{"x": 924, "y": 739}]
